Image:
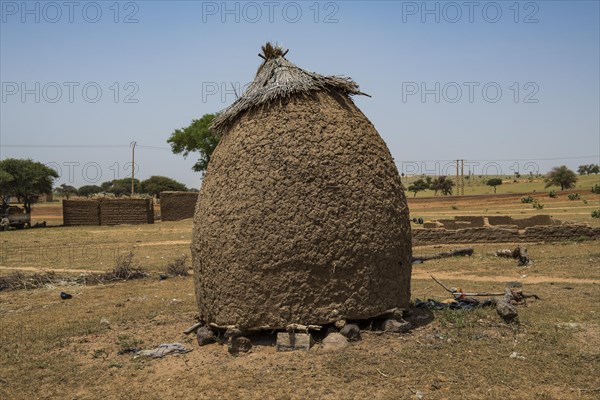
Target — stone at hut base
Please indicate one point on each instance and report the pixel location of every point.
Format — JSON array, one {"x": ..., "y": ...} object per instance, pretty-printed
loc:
[
  {"x": 335, "y": 341},
  {"x": 394, "y": 326},
  {"x": 239, "y": 344},
  {"x": 507, "y": 311},
  {"x": 351, "y": 332},
  {"x": 287, "y": 341},
  {"x": 205, "y": 336},
  {"x": 340, "y": 323}
]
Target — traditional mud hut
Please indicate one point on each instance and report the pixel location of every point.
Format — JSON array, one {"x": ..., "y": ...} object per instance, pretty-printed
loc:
[{"x": 301, "y": 217}]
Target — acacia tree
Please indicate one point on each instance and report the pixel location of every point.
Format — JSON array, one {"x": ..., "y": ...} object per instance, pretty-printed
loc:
[
  {"x": 494, "y": 182},
  {"x": 120, "y": 187},
  {"x": 418, "y": 186},
  {"x": 561, "y": 176},
  {"x": 198, "y": 137},
  {"x": 26, "y": 180},
  {"x": 156, "y": 184},
  {"x": 583, "y": 170},
  {"x": 89, "y": 190},
  {"x": 65, "y": 190},
  {"x": 442, "y": 184}
]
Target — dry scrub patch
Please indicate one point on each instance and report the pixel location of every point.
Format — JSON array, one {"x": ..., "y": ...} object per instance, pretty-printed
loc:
[{"x": 52, "y": 349}]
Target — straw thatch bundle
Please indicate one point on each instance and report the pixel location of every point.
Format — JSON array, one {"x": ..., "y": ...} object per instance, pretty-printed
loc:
[
  {"x": 277, "y": 79},
  {"x": 301, "y": 217}
]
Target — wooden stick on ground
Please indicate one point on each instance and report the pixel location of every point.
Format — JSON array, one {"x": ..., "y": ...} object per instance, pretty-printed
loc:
[
  {"x": 459, "y": 294},
  {"x": 468, "y": 251},
  {"x": 193, "y": 328}
]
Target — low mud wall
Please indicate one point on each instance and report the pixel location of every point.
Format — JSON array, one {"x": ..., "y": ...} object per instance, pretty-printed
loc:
[
  {"x": 175, "y": 206},
  {"x": 126, "y": 211},
  {"x": 552, "y": 233},
  {"x": 81, "y": 212},
  {"x": 108, "y": 212}
]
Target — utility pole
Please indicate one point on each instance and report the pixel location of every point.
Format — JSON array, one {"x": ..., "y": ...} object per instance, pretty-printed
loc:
[
  {"x": 132, "y": 144},
  {"x": 462, "y": 177}
]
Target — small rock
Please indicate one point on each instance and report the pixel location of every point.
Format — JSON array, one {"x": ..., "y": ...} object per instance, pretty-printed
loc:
[
  {"x": 394, "y": 326},
  {"x": 419, "y": 395},
  {"x": 334, "y": 341},
  {"x": 232, "y": 332},
  {"x": 514, "y": 354},
  {"x": 435, "y": 385},
  {"x": 240, "y": 344},
  {"x": 507, "y": 311},
  {"x": 340, "y": 323},
  {"x": 351, "y": 332},
  {"x": 568, "y": 325},
  {"x": 205, "y": 336},
  {"x": 104, "y": 321},
  {"x": 65, "y": 296}
]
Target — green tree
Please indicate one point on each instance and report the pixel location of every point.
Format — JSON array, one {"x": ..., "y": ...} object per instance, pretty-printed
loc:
[
  {"x": 583, "y": 170},
  {"x": 594, "y": 169},
  {"x": 89, "y": 190},
  {"x": 494, "y": 182},
  {"x": 65, "y": 190},
  {"x": 120, "y": 187},
  {"x": 442, "y": 184},
  {"x": 418, "y": 186},
  {"x": 198, "y": 137},
  {"x": 561, "y": 176},
  {"x": 26, "y": 180},
  {"x": 156, "y": 184}
]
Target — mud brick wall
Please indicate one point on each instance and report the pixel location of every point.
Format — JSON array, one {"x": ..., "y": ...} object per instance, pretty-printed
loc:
[
  {"x": 422, "y": 237},
  {"x": 556, "y": 233},
  {"x": 126, "y": 211},
  {"x": 500, "y": 220},
  {"x": 522, "y": 223},
  {"x": 81, "y": 212},
  {"x": 549, "y": 233},
  {"x": 175, "y": 206},
  {"x": 475, "y": 221}
]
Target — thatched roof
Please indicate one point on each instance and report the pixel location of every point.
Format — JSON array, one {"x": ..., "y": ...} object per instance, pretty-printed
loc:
[{"x": 276, "y": 79}]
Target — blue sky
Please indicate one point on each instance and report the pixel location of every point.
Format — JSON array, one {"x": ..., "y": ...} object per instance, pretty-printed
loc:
[{"x": 488, "y": 82}]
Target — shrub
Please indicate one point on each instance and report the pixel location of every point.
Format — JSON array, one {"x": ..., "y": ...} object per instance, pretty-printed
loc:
[
  {"x": 125, "y": 269},
  {"x": 527, "y": 199},
  {"x": 596, "y": 214},
  {"x": 573, "y": 196},
  {"x": 178, "y": 267},
  {"x": 552, "y": 194},
  {"x": 596, "y": 189},
  {"x": 537, "y": 205}
]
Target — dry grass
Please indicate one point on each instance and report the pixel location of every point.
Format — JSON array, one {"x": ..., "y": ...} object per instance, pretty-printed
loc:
[
  {"x": 179, "y": 267},
  {"x": 125, "y": 269},
  {"x": 59, "y": 349},
  {"x": 51, "y": 349}
]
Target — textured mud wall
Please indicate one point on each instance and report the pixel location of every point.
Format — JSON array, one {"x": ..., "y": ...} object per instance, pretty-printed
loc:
[
  {"x": 522, "y": 223},
  {"x": 560, "y": 232},
  {"x": 301, "y": 219},
  {"x": 554, "y": 233},
  {"x": 126, "y": 211},
  {"x": 81, "y": 212},
  {"x": 500, "y": 220},
  {"x": 108, "y": 212},
  {"x": 474, "y": 221},
  {"x": 175, "y": 206},
  {"x": 470, "y": 235}
]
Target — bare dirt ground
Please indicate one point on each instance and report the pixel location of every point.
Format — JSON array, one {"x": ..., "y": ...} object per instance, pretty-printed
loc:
[{"x": 68, "y": 349}]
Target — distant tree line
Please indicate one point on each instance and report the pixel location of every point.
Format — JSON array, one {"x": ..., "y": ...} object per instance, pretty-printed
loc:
[
  {"x": 441, "y": 184},
  {"x": 122, "y": 187},
  {"x": 588, "y": 169}
]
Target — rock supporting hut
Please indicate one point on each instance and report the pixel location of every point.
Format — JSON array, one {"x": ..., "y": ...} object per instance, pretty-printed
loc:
[{"x": 301, "y": 217}]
